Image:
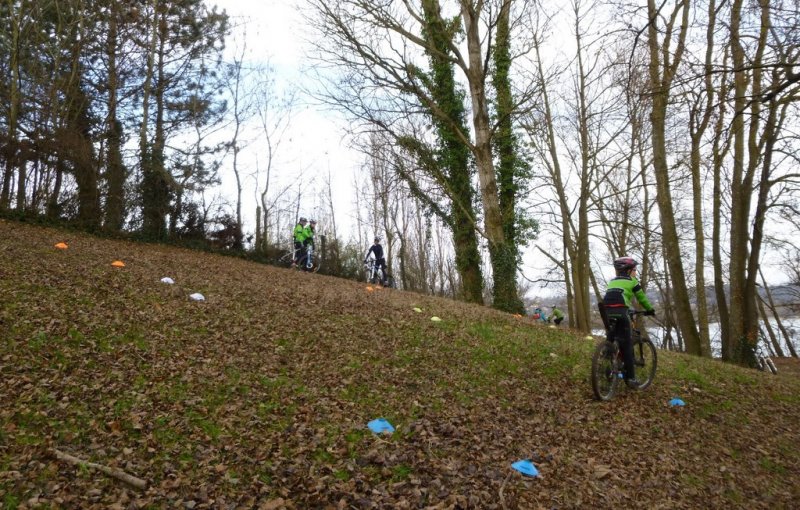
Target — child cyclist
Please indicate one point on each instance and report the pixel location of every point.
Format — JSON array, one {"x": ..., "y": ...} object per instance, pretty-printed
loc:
[{"x": 617, "y": 300}]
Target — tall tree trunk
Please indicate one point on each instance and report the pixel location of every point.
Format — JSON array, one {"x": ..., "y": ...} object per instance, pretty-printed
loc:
[
  {"x": 719, "y": 150},
  {"x": 582, "y": 271},
  {"x": 12, "y": 145},
  {"x": 511, "y": 170},
  {"x": 661, "y": 88},
  {"x": 454, "y": 155},
  {"x": 501, "y": 253},
  {"x": 78, "y": 133},
  {"x": 152, "y": 222},
  {"x": 698, "y": 127},
  {"x": 115, "y": 168},
  {"x": 740, "y": 196}
]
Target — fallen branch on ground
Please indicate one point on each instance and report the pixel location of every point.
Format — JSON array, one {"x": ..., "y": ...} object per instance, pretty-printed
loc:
[{"x": 115, "y": 473}]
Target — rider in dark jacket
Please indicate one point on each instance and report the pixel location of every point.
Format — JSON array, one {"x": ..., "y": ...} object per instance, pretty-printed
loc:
[{"x": 380, "y": 261}]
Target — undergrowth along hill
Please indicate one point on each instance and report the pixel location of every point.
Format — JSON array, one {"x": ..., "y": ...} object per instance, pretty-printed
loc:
[{"x": 259, "y": 396}]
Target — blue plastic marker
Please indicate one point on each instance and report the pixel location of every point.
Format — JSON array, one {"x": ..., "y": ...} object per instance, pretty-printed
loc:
[
  {"x": 525, "y": 467},
  {"x": 677, "y": 402},
  {"x": 380, "y": 425}
]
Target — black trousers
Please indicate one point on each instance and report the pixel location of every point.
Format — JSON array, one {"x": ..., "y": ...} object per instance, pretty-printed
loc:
[
  {"x": 621, "y": 330},
  {"x": 558, "y": 320},
  {"x": 381, "y": 264},
  {"x": 299, "y": 252}
]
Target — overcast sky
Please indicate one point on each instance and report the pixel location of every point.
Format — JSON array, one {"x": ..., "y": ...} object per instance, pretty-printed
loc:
[{"x": 316, "y": 143}]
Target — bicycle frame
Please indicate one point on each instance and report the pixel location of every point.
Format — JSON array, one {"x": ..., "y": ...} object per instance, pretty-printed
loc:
[
  {"x": 608, "y": 364},
  {"x": 372, "y": 271},
  {"x": 763, "y": 360},
  {"x": 309, "y": 256}
]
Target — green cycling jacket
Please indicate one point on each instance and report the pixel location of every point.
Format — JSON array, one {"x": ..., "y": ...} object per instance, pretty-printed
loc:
[
  {"x": 621, "y": 290},
  {"x": 308, "y": 234},
  {"x": 299, "y": 233}
]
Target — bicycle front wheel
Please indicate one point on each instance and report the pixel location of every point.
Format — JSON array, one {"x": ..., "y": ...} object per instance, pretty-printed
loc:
[
  {"x": 605, "y": 373},
  {"x": 645, "y": 359}
]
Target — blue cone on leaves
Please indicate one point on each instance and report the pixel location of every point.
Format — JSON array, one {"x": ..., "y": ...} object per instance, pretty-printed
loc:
[
  {"x": 677, "y": 402},
  {"x": 380, "y": 425},
  {"x": 525, "y": 467}
]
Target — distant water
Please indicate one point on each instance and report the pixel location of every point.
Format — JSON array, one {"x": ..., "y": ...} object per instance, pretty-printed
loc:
[{"x": 792, "y": 325}]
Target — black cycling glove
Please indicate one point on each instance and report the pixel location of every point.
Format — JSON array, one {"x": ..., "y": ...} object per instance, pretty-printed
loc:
[{"x": 650, "y": 312}]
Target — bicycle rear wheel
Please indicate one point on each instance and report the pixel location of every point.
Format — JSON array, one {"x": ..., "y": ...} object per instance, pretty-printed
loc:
[
  {"x": 605, "y": 370},
  {"x": 645, "y": 361}
]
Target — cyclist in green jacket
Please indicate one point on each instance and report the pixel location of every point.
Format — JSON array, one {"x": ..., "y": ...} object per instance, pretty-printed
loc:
[
  {"x": 557, "y": 315},
  {"x": 309, "y": 233},
  {"x": 299, "y": 237},
  {"x": 617, "y": 300}
]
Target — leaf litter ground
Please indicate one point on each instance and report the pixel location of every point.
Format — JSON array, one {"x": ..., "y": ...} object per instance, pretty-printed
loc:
[{"x": 259, "y": 397}]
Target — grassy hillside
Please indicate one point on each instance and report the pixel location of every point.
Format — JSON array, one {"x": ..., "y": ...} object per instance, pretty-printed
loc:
[{"x": 259, "y": 397}]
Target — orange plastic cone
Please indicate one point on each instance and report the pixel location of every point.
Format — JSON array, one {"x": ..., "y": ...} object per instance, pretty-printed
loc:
[
  {"x": 369, "y": 288},
  {"x": 118, "y": 263},
  {"x": 61, "y": 246}
]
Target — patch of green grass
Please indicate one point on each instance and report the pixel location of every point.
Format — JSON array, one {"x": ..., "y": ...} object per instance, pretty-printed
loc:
[
  {"x": 692, "y": 480},
  {"x": 265, "y": 477},
  {"x": 322, "y": 455},
  {"x": 689, "y": 374},
  {"x": 165, "y": 434},
  {"x": 772, "y": 466},
  {"x": 742, "y": 379},
  {"x": 401, "y": 472},
  {"x": 733, "y": 496},
  {"x": 205, "y": 424},
  {"x": 482, "y": 330},
  {"x": 713, "y": 408},
  {"x": 788, "y": 398},
  {"x": 123, "y": 405},
  {"x": 39, "y": 341},
  {"x": 10, "y": 501},
  {"x": 75, "y": 337},
  {"x": 342, "y": 475},
  {"x": 173, "y": 391}
]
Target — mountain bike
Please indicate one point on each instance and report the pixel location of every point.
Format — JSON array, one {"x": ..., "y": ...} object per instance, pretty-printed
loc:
[
  {"x": 763, "y": 361},
  {"x": 376, "y": 275},
  {"x": 608, "y": 368}
]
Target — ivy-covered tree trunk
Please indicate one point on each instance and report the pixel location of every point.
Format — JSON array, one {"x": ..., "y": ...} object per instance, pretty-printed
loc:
[
  {"x": 454, "y": 154},
  {"x": 115, "y": 173},
  {"x": 502, "y": 253},
  {"x": 84, "y": 166},
  {"x": 511, "y": 170},
  {"x": 77, "y": 138}
]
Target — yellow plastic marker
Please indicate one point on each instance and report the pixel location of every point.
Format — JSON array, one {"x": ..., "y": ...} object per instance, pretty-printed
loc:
[
  {"x": 118, "y": 263},
  {"x": 416, "y": 309},
  {"x": 61, "y": 246},
  {"x": 436, "y": 319}
]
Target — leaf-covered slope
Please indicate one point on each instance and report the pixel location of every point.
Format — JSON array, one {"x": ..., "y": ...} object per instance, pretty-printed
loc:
[{"x": 260, "y": 396}]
